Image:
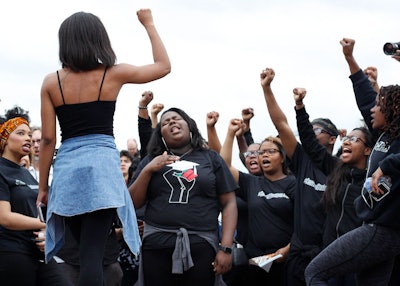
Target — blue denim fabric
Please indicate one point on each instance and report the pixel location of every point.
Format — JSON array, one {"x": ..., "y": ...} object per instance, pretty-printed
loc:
[{"x": 87, "y": 177}]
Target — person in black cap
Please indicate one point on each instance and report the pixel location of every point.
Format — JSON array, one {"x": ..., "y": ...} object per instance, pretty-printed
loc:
[{"x": 324, "y": 126}]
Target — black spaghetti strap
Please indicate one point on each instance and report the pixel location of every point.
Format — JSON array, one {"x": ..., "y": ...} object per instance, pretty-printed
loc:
[
  {"x": 59, "y": 86},
  {"x": 102, "y": 81}
]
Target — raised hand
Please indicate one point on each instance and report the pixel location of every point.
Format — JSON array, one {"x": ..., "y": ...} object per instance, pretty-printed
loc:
[{"x": 212, "y": 118}]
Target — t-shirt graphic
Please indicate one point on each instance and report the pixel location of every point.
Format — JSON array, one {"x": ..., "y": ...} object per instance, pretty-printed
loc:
[{"x": 185, "y": 173}]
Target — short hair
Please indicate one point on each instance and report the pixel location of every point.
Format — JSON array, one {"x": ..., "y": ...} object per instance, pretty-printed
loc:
[
  {"x": 132, "y": 139},
  {"x": 327, "y": 125},
  {"x": 84, "y": 43},
  {"x": 34, "y": 128},
  {"x": 126, "y": 154},
  {"x": 278, "y": 142}
]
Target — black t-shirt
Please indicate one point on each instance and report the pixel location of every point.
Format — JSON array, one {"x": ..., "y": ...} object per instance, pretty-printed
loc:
[
  {"x": 309, "y": 210},
  {"x": 18, "y": 187},
  {"x": 270, "y": 212},
  {"x": 186, "y": 194}
]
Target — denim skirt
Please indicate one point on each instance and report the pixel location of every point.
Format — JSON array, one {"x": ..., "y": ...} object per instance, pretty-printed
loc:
[{"x": 87, "y": 177}]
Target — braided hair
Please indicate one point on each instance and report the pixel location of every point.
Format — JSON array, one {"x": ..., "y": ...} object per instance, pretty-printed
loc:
[{"x": 389, "y": 102}]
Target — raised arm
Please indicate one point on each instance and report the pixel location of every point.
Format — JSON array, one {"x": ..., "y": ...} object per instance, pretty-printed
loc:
[
  {"x": 144, "y": 122},
  {"x": 348, "y": 47},
  {"x": 247, "y": 115},
  {"x": 161, "y": 66},
  {"x": 235, "y": 128},
  {"x": 246, "y": 138},
  {"x": 278, "y": 118},
  {"x": 372, "y": 74},
  {"x": 317, "y": 152},
  {"x": 212, "y": 136},
  {"x": 364, "y": 92},
  {"x": 160, "y": 55},
  {"x": 156, "y": 108}
]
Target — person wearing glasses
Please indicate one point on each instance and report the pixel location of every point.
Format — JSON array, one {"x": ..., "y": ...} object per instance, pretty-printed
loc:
[
  {"x": 250, "y": 159},
  {"x": 371, "y": 249},
  {"x": 343, "y": 186},
  {"x": 270, "y": 201},
  {"x": 345, "y": 179},
  {"x": 309, "y": 219}
]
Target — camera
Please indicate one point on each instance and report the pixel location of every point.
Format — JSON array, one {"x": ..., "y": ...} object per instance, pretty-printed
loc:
[{"x": 391, "y": 48}]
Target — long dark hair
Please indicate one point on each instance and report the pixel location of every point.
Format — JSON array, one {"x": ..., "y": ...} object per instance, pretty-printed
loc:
[
  {"x": 84, "y": 43},
  {"x": 156, "y": 145},
  {"x": 389, "y": 102},
  {"x": 335, "y": 180}
]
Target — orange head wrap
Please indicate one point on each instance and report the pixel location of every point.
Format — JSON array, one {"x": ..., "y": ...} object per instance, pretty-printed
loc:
[{"x": 8, "y": 127}]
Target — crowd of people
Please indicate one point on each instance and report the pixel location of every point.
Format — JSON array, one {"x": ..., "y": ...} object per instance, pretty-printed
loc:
[{"x": 168, "y": 211}]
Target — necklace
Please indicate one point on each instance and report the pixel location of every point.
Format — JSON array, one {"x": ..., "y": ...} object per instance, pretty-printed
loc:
[{"x": 184, "y": 154}]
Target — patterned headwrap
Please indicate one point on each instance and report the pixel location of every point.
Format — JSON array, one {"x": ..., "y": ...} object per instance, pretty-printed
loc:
[{"x": 8, "y": 127}]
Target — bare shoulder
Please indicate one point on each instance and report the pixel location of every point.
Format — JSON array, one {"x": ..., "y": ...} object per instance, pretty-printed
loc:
[
  {"x": 49, "y": 82},
  {"x": 50, "y": 79}
]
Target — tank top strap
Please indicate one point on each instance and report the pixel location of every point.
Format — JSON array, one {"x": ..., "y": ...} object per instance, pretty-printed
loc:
[
  {"x": 102, "y": 81},
  {"x": 59, "y": 86}
]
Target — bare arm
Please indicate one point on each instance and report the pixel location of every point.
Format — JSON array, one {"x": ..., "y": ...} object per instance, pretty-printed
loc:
[
  {"x": 242, "y": 145},
  {"x": 213, "y": 140},
  {"x": 223, "y": 261},
  {"x": 348, "y": 47},
  {"x": 156, "y": 108},
  {"x": 16, "y": 221},
  {"x": 146, "y": 73},
  {"x": 278, "y": 118},
  {"x": 144, "y": 101},
  {"x": 247, "y": 115},
  {"x": 372, "y": 74},
  {"x": 47, "y": 144},
  {"x": 235, "y": 126}
]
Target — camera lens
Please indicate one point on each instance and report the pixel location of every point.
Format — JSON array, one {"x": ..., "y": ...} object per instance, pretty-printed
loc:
[{"x": 391, "y": 48}]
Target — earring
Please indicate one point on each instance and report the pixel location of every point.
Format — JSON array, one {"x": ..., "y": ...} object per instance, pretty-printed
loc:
[
  {"x": 165, "y": 144},
  {"x": 191, "y": 137}
]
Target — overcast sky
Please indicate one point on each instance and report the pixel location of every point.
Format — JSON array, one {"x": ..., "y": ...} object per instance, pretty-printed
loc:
[{"x": 217, "y": 50}]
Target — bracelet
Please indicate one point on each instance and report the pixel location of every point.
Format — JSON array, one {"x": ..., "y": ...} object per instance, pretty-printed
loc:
[{"x": 142, "y": 107}]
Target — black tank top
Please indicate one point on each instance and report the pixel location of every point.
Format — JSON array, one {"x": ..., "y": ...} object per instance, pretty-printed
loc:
[{"x": 80, "y": 119}]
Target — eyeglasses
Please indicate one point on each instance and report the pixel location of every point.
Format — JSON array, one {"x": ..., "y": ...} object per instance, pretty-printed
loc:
[
  {"x": 250, "y": 153},
  {"x": 353, "y": 139},
  {"x": 269, "y": 151},
  {"x": 319, "y": 130}
]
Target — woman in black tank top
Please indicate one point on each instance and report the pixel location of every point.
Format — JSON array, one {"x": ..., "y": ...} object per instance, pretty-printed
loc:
[{"x": 87, "y": 188}]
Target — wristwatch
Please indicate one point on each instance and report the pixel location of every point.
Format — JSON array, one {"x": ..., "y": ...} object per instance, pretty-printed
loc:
[{"x": 225, "y": 249}]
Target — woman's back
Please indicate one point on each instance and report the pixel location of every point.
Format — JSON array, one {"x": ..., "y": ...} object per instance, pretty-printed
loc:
[{"x": 68, "y": 87}]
